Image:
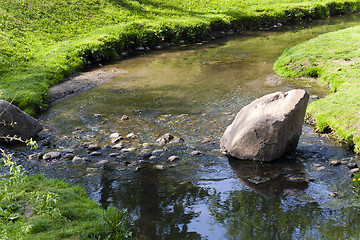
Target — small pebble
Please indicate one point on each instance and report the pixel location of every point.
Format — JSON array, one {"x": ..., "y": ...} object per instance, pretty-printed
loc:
[
  {"x": 68, "y": 150},
  {"x": 334, "y": 194},
  {"x": 93, "y": 147},
  {"x": 334, "y": 162},
  {"x": 320, "y": 168},
  {"x": 118, "y": 146},
  {"x": 167, "y": 137},
  {"x": 157, "y": 152},
  {"x": 106, "y": 147},
  {"x": 86, "y": 144},
  {"x": 354, "y": 170},
  {"x": 114, "y": 154},
  {"x": 152, "y": 158},
  {"x": 116, "y": 140},
  {"x": 196, "y": 153},
  {"x": 173, "y": 158},
  {"x": 124, "y": 118},
  {"x": 77, "y": 159},
  {"x": 95, "y": 153},
  {"x": 126, "y": 150},
  {"x": 102, "y": 162},
  {"x": 34, "y": 156},
  {"x": 51, "y": 155},
  {"x": 146, "y": 145},
  {"x": 178, "y": 140},
  {"x": 131, "y": 135},
  {"x": 352, "y": 165},
  {"x": 114, "y": 135},
  {"x": 206, "y": 141},
  {"x": 159, "y": 167}
]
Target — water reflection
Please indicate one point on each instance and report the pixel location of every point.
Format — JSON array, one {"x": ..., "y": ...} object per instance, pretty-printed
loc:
[
  {"x": 247, "y": 216},
  {"x": 158, "y": 206},
  {"x": 271, "y": 179}
]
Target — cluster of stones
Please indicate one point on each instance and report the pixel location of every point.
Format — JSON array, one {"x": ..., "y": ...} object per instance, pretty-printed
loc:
[
  {"x": 212, "y": 36},
  {"x": 353, "y": 167},
  {"x": 146, "y": 153}
]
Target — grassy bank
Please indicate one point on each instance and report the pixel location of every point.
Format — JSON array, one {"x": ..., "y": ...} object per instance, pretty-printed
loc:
[
  {"x": 332, "y": 59},
  {"x": 33, "y": 207},
  {"x": 44, "y": 41}
]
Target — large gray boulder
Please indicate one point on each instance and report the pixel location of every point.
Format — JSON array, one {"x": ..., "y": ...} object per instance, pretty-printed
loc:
[
  {"x": 267, "y": 128},
  {"x": 16, "y": 123}
]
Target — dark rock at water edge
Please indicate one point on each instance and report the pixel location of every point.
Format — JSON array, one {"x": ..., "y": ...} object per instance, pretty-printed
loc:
[
  {"x": 267, "y": 128},
  {"x": 16, "y": 123}
]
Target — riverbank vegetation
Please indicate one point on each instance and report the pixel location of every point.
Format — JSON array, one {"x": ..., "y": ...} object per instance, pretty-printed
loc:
[
  {"x": 332, "y": 59},
  {"x": 34, "y": 207},
  {"x": 42, "y": 42}
]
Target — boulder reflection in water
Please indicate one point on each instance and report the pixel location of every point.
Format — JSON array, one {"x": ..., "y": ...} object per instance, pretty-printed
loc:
[{"x": 271, "y": 179}]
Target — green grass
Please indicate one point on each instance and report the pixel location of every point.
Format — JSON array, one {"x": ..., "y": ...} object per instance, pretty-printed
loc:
[
  {"x": 42, "y": 42},
  {"x": 33, "y": 207},
  {"x": 332, "y": 59}
]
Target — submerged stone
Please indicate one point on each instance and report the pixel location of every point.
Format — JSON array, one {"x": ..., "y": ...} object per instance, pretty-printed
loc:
[
  {"x": 166, "y": 138},
  {"x": 196, "y": 153},
  {"x": 131, "y": 136},
  {"x": 51, "y": 155},
  {"x": 144, "y": 154},
  {"x": 334, "y": 162},
  {"x": 159, "y": 167},
  {"x": 101, "y": 163},
  {"x": 34, "y": 156},
  {"x": 173, "y": 158},
  {"x": 258, "y": 180}
]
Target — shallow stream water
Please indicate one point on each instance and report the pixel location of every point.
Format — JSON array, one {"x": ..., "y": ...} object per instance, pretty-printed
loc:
[{"x": 193, "y": 92}]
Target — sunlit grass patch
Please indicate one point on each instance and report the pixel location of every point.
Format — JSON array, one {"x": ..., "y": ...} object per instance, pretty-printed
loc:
[
  {"x": 335, "y": 57},
  {"x": 42, "y": 42},
  {"x": 41, "y": 208}
]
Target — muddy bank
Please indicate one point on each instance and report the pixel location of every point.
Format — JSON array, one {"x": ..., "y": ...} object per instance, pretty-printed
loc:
[{"x": 81, "y": 82}]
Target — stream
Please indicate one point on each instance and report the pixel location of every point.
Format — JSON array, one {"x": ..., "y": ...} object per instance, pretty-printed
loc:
[{"x": 185, "y": 188}]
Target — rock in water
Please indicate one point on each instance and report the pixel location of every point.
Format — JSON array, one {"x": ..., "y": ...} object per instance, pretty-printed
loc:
[
  {"x": 14, "y": 122},
  {"x": 267, "y": 128}
]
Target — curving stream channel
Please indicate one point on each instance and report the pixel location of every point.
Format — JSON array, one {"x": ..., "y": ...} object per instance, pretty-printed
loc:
[{"x": 193, "y": 92}]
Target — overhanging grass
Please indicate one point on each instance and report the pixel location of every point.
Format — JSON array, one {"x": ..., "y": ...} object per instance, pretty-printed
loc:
[
  {"x": 41, "y": 42},
  {"x": 35, "y": 207},
  {"x": 333, "y": 59}
]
